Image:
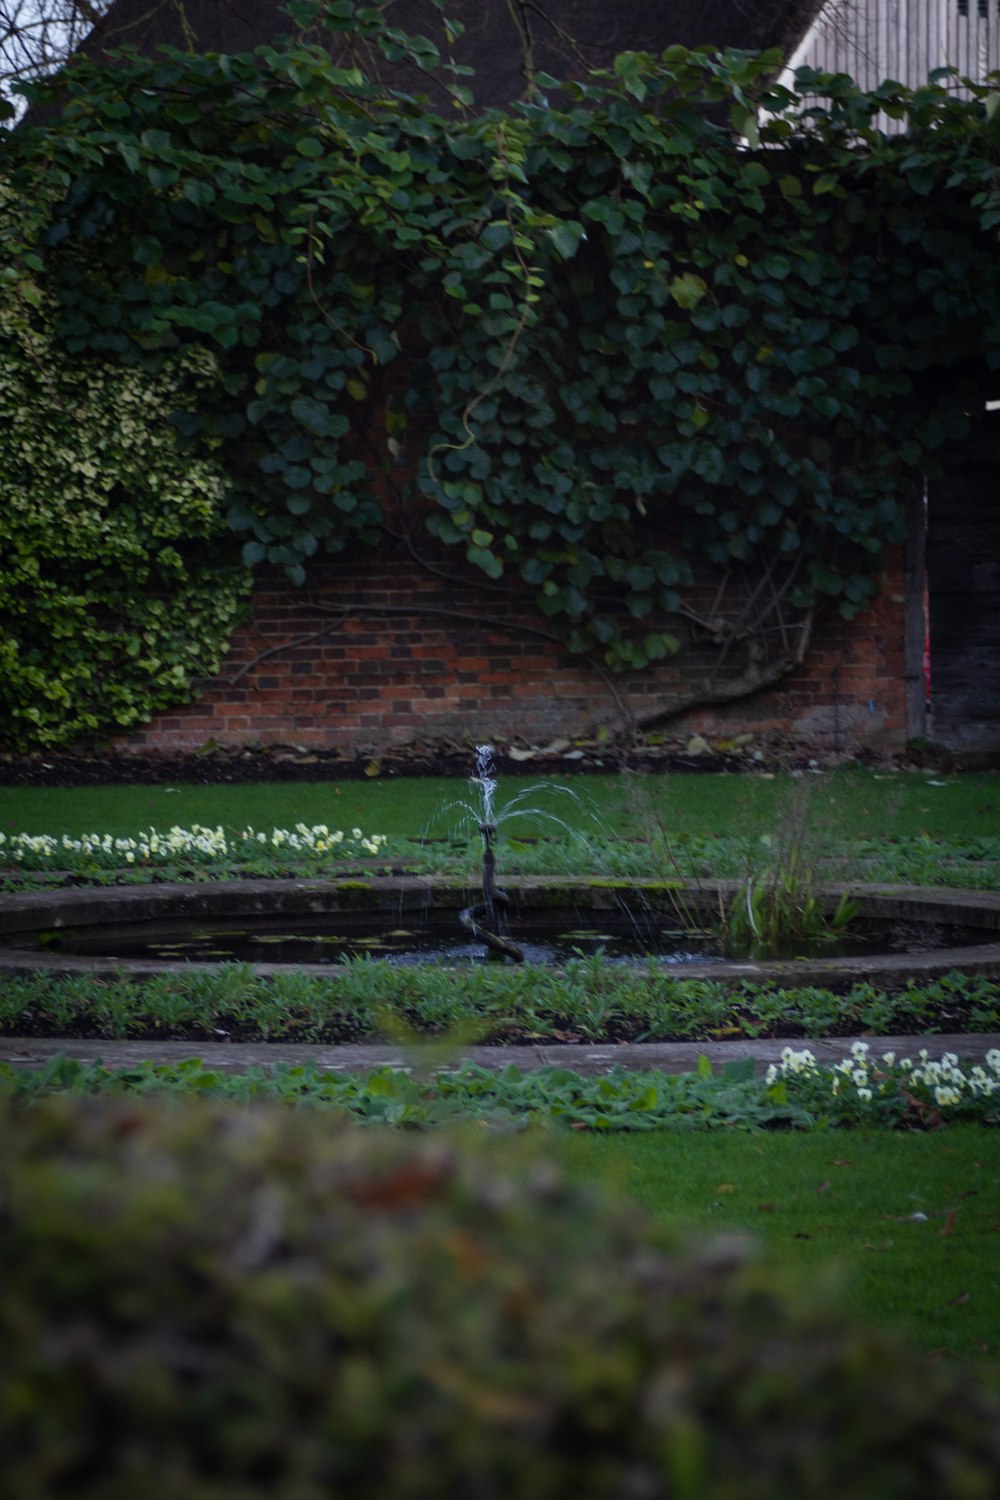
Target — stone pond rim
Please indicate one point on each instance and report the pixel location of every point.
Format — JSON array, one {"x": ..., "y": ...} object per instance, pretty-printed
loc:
[{"x": 24, "y": 915}]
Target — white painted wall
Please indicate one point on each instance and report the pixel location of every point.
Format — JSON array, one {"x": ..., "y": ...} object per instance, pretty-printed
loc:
[{"x": 904, "y": 40}]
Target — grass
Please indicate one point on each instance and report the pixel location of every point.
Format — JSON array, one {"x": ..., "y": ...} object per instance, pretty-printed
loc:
[
  {"x": 842, "y": 1206},
  {"x": 901, "y": 827},
  {"x": 887, "y": 805}
]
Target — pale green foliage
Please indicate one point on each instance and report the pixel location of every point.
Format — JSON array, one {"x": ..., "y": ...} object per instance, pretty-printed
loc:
[{"x": 118, "y": 583}]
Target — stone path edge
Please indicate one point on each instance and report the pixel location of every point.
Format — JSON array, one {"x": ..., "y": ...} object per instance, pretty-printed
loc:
[{"x": 585, "y": 1058}]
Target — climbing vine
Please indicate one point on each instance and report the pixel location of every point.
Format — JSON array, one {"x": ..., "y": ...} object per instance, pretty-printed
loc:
[
  {"x": 118, "y": 585},
  {"x": 665, "y": 319}
]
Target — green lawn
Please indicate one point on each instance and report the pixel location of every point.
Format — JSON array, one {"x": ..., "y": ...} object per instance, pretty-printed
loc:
[
  {"x": 846, "y": 1204},
  {"x": 884, "y": 805},
  {"x": 837, "y": 1209}
]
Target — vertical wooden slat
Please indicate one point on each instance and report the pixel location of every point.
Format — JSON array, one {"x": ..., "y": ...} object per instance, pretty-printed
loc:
[
  {"x": 965, "y": 25},
  {"x": 936, "y": 57},
  {"x": 914, "y": 42},
  {"x": 902, "y": 39}
]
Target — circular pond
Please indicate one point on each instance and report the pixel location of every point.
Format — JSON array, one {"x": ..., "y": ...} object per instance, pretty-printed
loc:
[{"x": 901, "y": 932}]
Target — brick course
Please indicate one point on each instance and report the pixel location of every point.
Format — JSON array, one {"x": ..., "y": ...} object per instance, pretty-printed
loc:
[{"x": 452, "y": 659}]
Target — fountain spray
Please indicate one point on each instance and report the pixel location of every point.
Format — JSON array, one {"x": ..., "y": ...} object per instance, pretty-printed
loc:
[{"x": 486, "y": 921}]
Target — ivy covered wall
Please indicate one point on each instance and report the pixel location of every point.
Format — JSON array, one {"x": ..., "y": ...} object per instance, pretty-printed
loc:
[{"x": 653, "y": 353}]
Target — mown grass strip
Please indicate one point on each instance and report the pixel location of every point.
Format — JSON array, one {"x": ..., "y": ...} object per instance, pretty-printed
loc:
[{"x": 888, "y": 804}]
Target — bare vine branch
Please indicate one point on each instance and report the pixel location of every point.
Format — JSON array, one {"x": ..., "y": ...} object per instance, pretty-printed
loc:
[{"x": 759, "y": 672}]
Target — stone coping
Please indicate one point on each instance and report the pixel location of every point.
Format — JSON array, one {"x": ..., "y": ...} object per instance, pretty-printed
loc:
[
  {"x": 32, "y": 911},
  {"x": 585, "y": 1057}
]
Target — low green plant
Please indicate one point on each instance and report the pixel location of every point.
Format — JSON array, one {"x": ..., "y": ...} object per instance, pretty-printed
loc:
[
  {"x": 196, "y": 847},
  {"x": 889, "y": 1089},
  {"x": 784, "y": 914},
  {"x": 208, "y": 1303},
  {"x": 796, "y": 1092},
  {"x": 587, "y": 1000},
  {"x": 781, "y": 909}
]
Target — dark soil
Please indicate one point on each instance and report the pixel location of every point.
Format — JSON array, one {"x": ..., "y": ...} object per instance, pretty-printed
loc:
[
  {"x": 345, "y": 1030},
  {"x": 276, "y": 763},
  {"x": 286, "y": 764}
]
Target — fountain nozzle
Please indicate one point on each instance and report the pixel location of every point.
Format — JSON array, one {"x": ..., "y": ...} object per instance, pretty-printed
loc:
[{"x": 493, "y": 902}]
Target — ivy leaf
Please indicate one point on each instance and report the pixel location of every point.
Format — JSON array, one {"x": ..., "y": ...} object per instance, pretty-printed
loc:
[
  {"x": 566, "y": 238},
  {"x": 744, "y": 123},
  {"x": 688, "y": 290},
  {"x": 318, "y": 419},
  {"x": 491, "y": 565}
]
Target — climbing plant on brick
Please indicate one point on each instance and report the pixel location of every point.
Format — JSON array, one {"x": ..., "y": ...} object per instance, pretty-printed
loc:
[
  {"x": 624, "y": 330},
  {"x": 119, "y": 585}
]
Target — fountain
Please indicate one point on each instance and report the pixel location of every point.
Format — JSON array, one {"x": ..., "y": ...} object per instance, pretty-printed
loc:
[
  {"x": 486, "y": 922},
  {"x": 314, "y": 924}
]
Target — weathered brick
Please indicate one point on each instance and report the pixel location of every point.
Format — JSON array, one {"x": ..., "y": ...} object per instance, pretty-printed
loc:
[{"x": 374, "y": 679}]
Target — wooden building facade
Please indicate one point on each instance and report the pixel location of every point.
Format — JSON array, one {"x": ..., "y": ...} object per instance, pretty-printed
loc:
[{"x": 904, "y": 40}]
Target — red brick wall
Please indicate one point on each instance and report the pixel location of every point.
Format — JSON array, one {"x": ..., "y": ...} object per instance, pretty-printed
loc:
[{"x": 452, "y": 660}]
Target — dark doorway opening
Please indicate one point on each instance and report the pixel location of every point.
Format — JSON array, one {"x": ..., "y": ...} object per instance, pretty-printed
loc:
[{"x": 963, "y": 593}]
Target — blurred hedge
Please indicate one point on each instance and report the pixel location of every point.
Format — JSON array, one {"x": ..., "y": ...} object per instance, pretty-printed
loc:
[{"x": 214, "y": 1304}]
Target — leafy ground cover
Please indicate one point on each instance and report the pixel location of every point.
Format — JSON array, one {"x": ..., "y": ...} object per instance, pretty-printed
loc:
[
  {"x": 865, "y": 1089},
  {"x": 587, "y": 1000}
]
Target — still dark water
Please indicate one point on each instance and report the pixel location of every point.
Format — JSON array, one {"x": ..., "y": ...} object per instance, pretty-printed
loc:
[{"x": 325, "y": 940}]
